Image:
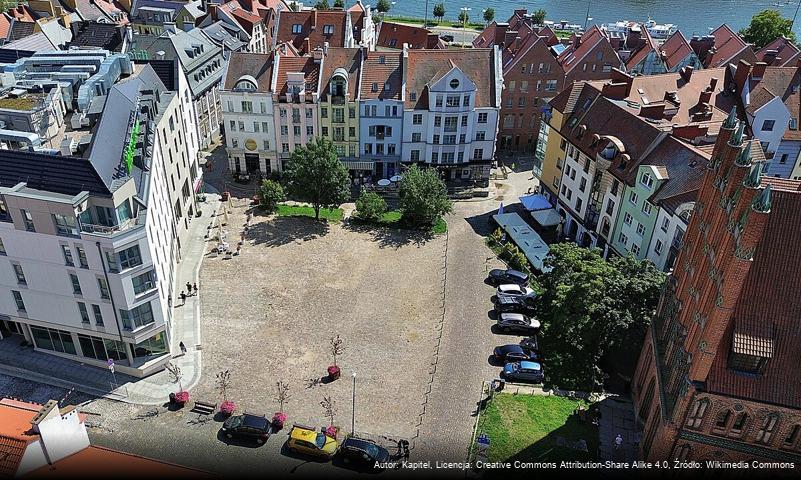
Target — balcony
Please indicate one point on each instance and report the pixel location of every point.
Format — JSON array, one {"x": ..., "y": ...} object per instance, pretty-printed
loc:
[
  {"x": 338, "y": 100},
  {"x": 110, "y": 231}
]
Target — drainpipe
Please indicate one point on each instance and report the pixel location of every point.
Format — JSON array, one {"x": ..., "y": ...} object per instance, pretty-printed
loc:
[{"x": 113, "y": 305}]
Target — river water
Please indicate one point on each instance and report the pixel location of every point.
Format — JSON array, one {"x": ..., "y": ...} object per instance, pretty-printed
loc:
[{"x": 692, "y": 17}]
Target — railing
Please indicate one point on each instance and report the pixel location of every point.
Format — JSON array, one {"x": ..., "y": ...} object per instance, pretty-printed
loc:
[{"x": 97, "y": 229}]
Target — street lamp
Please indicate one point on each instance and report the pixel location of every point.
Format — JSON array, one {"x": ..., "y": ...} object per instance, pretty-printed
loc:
[
  {"x": 464, "y": 10},
  {"x": 353, "y": 412}
]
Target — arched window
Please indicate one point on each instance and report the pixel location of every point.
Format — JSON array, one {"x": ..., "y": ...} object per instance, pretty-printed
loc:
[
  {"x": 738, "y": 425},
  {"x": 722, "y": 421},
  {"x": 696, "y": 415},
  {"x": 768, "y": 427}
]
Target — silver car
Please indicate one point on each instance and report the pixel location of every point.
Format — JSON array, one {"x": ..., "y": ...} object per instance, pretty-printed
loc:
[{"x": 518, "y": 323}]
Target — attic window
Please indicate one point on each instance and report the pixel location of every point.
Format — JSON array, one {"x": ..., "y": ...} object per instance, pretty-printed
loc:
[
  {"x": 386, "y": 87},
  {"x": 382, "y": 59},
  {"x": 793, "y": 123},
  {"x": 572, "y": 123},
  {"x": 375, "y": 87},
  {"x": 454, "y": 83},
  {"x": 297, "y": 28},
  {"x": 328, "y": 30},
  {"x": 413, "y": 96}
]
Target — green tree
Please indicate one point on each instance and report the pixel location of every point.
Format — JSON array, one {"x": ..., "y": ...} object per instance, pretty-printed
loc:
[
  {"x": 370, "y": 206},
  {"x": 489, "y": 15},
  {"x": 538, "y": 17},
  {"x": 322, "y": 5},
  {"x": 766, "y": 26},
  {"x": 383, "y": 6},
  {"x": 6, "y": 5},
  {"x": 315, "y": 174},
  {"x": 423, "y": 197},
  {"x": 270, "y": 194},
  {"x": 591, "y": 307},
  {"x": 339, "y": 3},
  {"x": 439, "y": 11},
  {"x": 464, "y": 17}
]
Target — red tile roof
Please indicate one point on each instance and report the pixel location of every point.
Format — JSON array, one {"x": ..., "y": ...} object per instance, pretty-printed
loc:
[
  {"x": 15, "y": 434},
  {"x": 312, "y": 24},
  {"x": 394, "y": 35},
  {"x": 5, "y": 26},
  {"x": 572, "y": 56},
  {"x": 22, "y": 13},
  {"x": 307, "y": 65},
  {"x": 258, "y": 66},
  {"x": 245, "y": 18},
  {"x": 374, "y": 71},
  {"x": 347, "y": 59},
  {"x": 729, "y": 47},
  {"x": 646, "y": 46},
  {"x": 425, "y": 66},
  {"x": 782, "y": 82},
  {"x": 779, "y": 53},
  {"x": 675, "y": 49}
]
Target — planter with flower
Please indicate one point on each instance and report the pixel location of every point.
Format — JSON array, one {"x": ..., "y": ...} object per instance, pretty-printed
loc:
[
  {"x": 334, "y": 371},
  {"x": 330, "y": 431},
  {"x": 227, "y": 408},
  {"x": 281, "y": 395},
  {"x": 181, "y": 398},
  {"x": 278, "y": 421}
]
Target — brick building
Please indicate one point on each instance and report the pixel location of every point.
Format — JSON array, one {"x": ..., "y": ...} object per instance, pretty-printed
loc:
[{"x": 717, "y": 378}]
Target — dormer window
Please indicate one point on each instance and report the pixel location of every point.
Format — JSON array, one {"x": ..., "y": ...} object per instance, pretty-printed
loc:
[
  {"x": 328, "y": 29},
  {"x": 647, "y": 180},
  {"x": 609, "y": 152},
  {"x": 374, "y": 87},
  {"x": 387, "y": 87},
  {"x": 793, "y": 123},
  {"x": 297, "y": 28},
  {"x": 382, "y": 59},
  {"x": 749, "y": 353},
  {"x": 413, "y": 96}
]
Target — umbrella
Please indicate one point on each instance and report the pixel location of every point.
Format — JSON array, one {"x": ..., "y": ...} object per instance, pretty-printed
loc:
[
  {"x": 384, "y": 182},
  {"x": 395, "y": 178},
  {"x": 500, "y": 209}
]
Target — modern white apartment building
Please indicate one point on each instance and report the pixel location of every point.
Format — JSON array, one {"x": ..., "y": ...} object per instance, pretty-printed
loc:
[
  {"x": 247, "y": 103},
  {"x": 88, "y": 245},
  {"x": 451, "y": 104}
]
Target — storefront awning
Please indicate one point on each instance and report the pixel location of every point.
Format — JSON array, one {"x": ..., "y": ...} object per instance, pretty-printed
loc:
[
  {"x": 526, "y": 239},
  {"x": 535, "y": 202},
  {"x": 547, "y": 218},
  {"x": 350, "y": 165}
]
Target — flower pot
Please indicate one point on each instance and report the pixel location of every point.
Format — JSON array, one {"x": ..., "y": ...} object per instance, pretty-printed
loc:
[
  {"x": 334, "y": 372},
  {"x": 227, "y": 408},
  {"x": 278, "y": 420},
  {"x": 181, "y": 398},
  {"x": 330, "y": 431}
]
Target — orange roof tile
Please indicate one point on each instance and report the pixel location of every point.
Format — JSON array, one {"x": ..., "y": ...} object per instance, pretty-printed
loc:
[
  {"x": 779, "y": 53},
  {"x": 307, "y": 65},
  {"x": 394, "y": 35},
  {"x": 729, "y": 47},
  {"x": 15, "y": 433},
  {"x": 425, "y": 66},
  {"x": 647, "y": 45},
  {"x": 374, "y": 71},
  {"x": 348, "y": 59},
  {"x": 675, "y": 49}
]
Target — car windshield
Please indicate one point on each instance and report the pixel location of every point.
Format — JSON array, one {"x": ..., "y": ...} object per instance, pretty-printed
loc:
[
  {"x": 371, "y": 450},
  {"x": 320, "y": 440},
  {"x": 235, "y": 422}
]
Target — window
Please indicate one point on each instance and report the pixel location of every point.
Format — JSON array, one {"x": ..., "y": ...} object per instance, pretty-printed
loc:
[
  {"x": 550, "y": 86},
  {"x": 635, "y": 250},
  {"x": 627, "y": 218},
  {"x": 284, "y": 130},
  {"x": 578, "y": 205},
  {"x": 623, "y": 239},
  {"x": 19, "y": 273},
  {"x": 18, "y": 300},
  {"x": 296, "y": 130},
  {"x": 478, "y": 154},
  {"x": 610, "y": 207},
  {"x": 65, "y": 250},
  {"x": 793, "y": 123},
  {"x": 640, "y": 229},
  {"x": 247, "y": 107},
  {"x": 55, "y": 340},
  {"x": 449, "y": 140},
  {"x": 747, "y": 363},
  {"x": 521, "y": 102},
  {"x": 65, "y": 225},
  {"x": 696, "y": 415},
  {"x": 84, "y": 312},
  {"x": 738, "y": 425},
  {"x": 98, "y": 315},
  {"x": 481, "y": 135},
  {"x": 155, "y": 345},
  {"x": 309, "y": 113},
  {"x": 437, "y": 121},
  {"x": 382, "y": 59},
  {"x": 137, "y": 317},
  {"x": 792, "y": 436},
  {"x": 415, "y": 156},
  {"x": 647, "y": 180},
  {"x": 583, "y": 184},
  {"x": 102, "y": 349},
  {"x": 436, "y": 140},
  {"x": 462, "y": 138},
  {"x": 328, "y": 29},
  {"x": 351, "y": 112},
  {"x": 633, "y": 198},
  {"x": 646, "y": 208},
  {"x": 310, "y": 130},
  {"x": 417, "y": 119},
  {"x": 324, "y": 130},
  {"x": 767, "y": 125},
  {"x": 482, "y": 117},
  {"x": 76, "y": 284},
  {"x": 297, "y": 28},
  {"x": 351, "y": 132},
  {"x": 783, "y": 158},
  {"x": 241, "y": 126},
  {"x": 28, "y": 219},
  {"x": 256, "y": 127},
  {"x": 434, "y": 157},
  {"x": 416, "y": 137},
  {"x": 665, "y": 224},
  {"x": 103, "y": 287},
  {"x": 130, "y": 257},
  {"x": 658, "y": 246},
  {"x": 144, "y": 282},
  {"x": 82, "y": 257},
  {"x": 368, "y": 148},
  {"x": 766, "y": 431},
  {"x": 466, "y": 101}
]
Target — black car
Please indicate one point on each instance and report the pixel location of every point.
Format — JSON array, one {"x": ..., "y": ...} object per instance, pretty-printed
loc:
[
  {"x": 248, "y": 426},
  {"x": 525, "y": 372},
  {"x": 361, "y": 452},
  {"x": 499, "y": 277},
  {"x": 507, "y": 304},
  {"x": 514, "y": 353}
]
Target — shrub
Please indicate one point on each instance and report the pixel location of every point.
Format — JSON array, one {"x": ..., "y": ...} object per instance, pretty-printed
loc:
[
  {"x": 270, "y": 194},
  {"x": 423, "y": 197},
  {"x": 370, "y": 206}
]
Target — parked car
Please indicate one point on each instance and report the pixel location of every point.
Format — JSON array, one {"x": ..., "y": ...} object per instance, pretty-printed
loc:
[
  {"x": 517, "y": 322},
  {"x": 363, "y": 453},
  {"x": 250, "y": 426},
  {"x": 308, "y": 441},
  {"x": 446, "y": 38},
  {"x": 515, "y": 290},
  {"x": 528, "y": 372},
  {"x": 511, "y": 304},
  {"x": 514, "y": 353},
  {"x": 531, "y": 344},
  {"x": 499, "y": 277}
]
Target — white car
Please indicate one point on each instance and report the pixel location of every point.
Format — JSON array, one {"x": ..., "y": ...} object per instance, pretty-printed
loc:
[{"x": 513, "y": 290}]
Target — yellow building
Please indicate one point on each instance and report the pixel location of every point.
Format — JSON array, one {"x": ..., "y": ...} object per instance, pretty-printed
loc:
[
  {"x": 554, "y": 157},
  {"x": 339, "y": 108}
]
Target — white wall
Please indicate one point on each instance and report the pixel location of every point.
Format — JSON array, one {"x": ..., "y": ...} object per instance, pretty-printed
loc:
[
  {"x": 773, "y": 110},
  {"x": 62, "y": 436},
  {"x": 262, "y": 113}
]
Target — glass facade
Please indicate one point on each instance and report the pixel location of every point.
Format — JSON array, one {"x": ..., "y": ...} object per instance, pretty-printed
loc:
[
  {"x": 155, "y": 345},
  {"x": 102, "y": 348},
  {"x": 55, "y": 340},
  {"x": 137, "y": 317}
]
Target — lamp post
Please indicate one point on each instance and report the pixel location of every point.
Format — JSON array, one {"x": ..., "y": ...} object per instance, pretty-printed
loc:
[
  {"x": 353, "y": 412},
  {"x": 464, "y": 11},
  {"x": 425, "y": 17}
]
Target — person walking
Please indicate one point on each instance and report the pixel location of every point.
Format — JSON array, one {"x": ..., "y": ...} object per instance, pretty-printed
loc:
[
  {"x": 189, "y": 288},
  {"x": 194, "y": 288},
  {"x": 618, "y": 441},
  {"x": 183, "y": 298},
  {"x": 183, "y": 347}
]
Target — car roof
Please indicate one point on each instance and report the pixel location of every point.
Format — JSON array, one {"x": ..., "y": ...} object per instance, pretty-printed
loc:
[
  {"x": 530, "y": 365},
  {"x": 512, "y": 316},
  {"x": 508, "y": 299},
  {"x": 359, "y": 443},
  {"x": 516, "y": 273},
  {"x": 256, "y": 421},
  {"x": 511, "y": 348},
  {"x": 509, "y": 286},
  {"x": 303, "y": 433}
]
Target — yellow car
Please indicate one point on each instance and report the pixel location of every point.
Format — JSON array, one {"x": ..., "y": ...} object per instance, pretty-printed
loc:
[{"x": 308, "y": 441}]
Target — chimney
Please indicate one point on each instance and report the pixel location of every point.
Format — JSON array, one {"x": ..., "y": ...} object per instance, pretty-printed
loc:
[
  {"x": 615, "y": 90},
  {"x": 317, "y": 54},
  {"x": 704, "y": 97},
  {"x": 521, "y": 12},
  {"x": 509, "y": 37},
  {"x": 314, "y": 19},
  {"x": 306, "y": 45},
  {"x": 741, "y": 74},
  {"x": 654, "y": 110},
  {"x": 759, "y": 70},
  {"x": 500, "y": 31},
  {"x": 690, "y": 132},
  {"x": 686, "y": 73},
  {"x": 325, "y": 48},
  {"x": 160, "y": 55},
  {"x": 770, "y": 56},
  {"x": 619, "y": 76},
  {"x": 212, "y": 9},
  {"x": 672, "y": 96},
  {"x": 432, "y": 40},
  {"x": 518, "y": 41},
  {"x": 713, "y": 82}
]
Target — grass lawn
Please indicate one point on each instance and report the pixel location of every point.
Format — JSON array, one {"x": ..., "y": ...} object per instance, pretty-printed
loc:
[
  {"x": 391, "y": 219},
  {"x": 525, "y": 427},
  {"x": 283, "y": 210},
  {"x": 434, "y": 23}
]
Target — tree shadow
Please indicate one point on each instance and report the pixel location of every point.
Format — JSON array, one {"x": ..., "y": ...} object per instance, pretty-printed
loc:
[
  {"x": 483, "y": 224},
  {"x": 391, "y": 237},
  {"x": 284, "y": 230}
]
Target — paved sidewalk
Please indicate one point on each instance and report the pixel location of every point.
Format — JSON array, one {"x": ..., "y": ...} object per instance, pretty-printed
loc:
[
  {"x": 152, "y": 390},
  {"x": 617, "y": 418}
]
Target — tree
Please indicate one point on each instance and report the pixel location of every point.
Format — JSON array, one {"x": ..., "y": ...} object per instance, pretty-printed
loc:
[
  {"x": 6, "y": 5},
  {"x": 439, "y": 11},
  {"x": 322, "y": 5},
  {"x": 270, "y": 194},
  {"x": 423, "y": 197},
  {"x": 538, "y": 17},
  {"x": 314, "y": 174},
  {"x": 336, "y": 348},
  {"x": 281, "y": 394},
  {"x": 339, "y": 3},
  {"x": 383, "y": 6},
  {"x": 329, "y": 409},
  {"x": 464, "y": 17},
  {"x": 489, "y": 15},
  {"x": 766, "y": 26},
  {"x": 370, "y": 206},
  {"x": 590, "y": 307},
  {"x": 223, "y": 383},
  {"x": 293, "y": 6}
]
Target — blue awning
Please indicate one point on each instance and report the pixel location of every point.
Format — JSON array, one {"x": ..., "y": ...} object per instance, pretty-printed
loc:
[{"x": 535, "y": 202}]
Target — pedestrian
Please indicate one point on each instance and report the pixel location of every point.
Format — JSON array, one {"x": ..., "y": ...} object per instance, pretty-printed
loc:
[
  {"x": 618, "y": 441},
  {"x": 189, "y": 288},
  {"x": 183, "y": 347},
  {"x": 194, "y": 287},
  {"x": 405, "y": 449},
  {"x": 183, "y": 298}
]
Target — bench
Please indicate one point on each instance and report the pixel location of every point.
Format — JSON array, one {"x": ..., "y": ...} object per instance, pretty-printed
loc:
[{"x": 204, "y": 408}]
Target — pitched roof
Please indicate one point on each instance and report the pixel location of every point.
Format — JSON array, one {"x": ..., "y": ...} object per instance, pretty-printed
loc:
[
  {"x": 425, "y": 66},
  {"x": 781, "y": 82},
  {"x": 306, "y": 65},
  {"x": 675, "y": 49},
  {"x": 376, "y": 72},
  {"x": 646, "y": 46},
  {"x": 96, "y": 35},
  {"x": 246, "y": 19},
  {"x": 779, "y": 53},
  {"x": 345, "y": 60},
  {"x": 21, "y": 29},
  {"x": 572, "y": 56},
  {"x": 5, "y": 26},
  {"x": 394, "y": 35},
  {"x": 312, "y": 27},
  {"x": 729, "y": 47},
  {"x": 15, "y": 434},
  {"x": 224, "y": 34},
  {"x": 255, "y": 66}
]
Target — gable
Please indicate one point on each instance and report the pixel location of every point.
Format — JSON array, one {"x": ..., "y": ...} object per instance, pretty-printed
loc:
[{"x": 446, "y": 83}]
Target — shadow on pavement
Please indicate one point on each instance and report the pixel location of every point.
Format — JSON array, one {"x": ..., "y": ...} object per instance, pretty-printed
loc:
[
  {"x": 239, "y": 442},
  {"x": 387, "y": 237},
  {"x": 283, "y": 230}
]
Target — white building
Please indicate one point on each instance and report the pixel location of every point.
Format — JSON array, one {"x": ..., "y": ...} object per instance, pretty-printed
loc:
[
  {"x": 668, "y": 235},
  {"x": 89, "y": 245},
  {"x": 247, "y": 103},
  {"x": 451, "y": 104}
]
